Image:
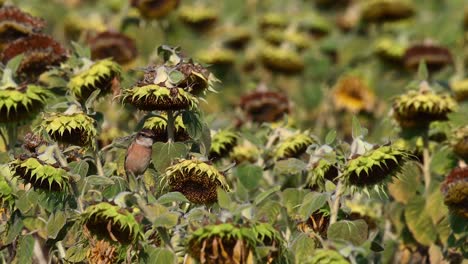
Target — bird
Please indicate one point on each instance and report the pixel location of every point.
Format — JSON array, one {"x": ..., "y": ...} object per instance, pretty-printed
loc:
[{"x": 139, "y": 153}]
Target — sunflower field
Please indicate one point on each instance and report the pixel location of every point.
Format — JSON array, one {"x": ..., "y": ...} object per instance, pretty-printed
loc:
[{"x": 234, "y": 132}]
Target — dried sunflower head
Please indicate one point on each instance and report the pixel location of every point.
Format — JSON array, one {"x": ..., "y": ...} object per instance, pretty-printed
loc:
[
  {"x": 277, "y": 36},
  {"x": 40, "y": 53},
  {"x": 327, "y": 256},
  {"x": 197, "y": 79},
  {"x": 353, "y": 95},
  {"x": 374, "y": 167},
  {"x": 316, "y": 25},
  {"x": 112, "y": 223},
  {"x": 195, "y": 179},
  {"x": 264, "y": 106},
  {"x": 317, "y": 223},
  {"x": 387, "y": 10},
  {"x": 155, "y": 9},
  {"x": 273, "y": 20},
  {"x": 281, "y": 59},
  {"x": 460, "y": 89},
  {"x": 159, "y": 126},
  {"x": 76, "y": 25},
  {"x": 198, "y": 17},
  {"x": 321, "y": 171},
  {"x": 158, "y": 97},
  {"x": 419, "y": 108},
  {"x": 93, "y": 76},
  {"x": 459, "y": 142},
  {"x": 217, "y": 56},
  {"x": 222, "y": 143},
  {"x": 115, "y": 45},
  {"x": 435, "y": 56},
  {"x": 455, "y": 191},
  {"x": 15, "y": 24},
  {"x": 246, "y": 152},
  {"x": 293, "y": 146},
  {"x": 101, "y": 252},
  {"x": 236, "y": 37},
  {"x": 22, "y": 103},
  {"x": 74, "y": 128},
  {"x": 40, "y": 174}
]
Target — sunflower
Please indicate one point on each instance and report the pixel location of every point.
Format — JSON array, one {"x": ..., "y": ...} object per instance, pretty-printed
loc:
[
  {"x": 112, "y": 223},
  {"x": 198, "y": 17},
  {"x": 459, "y": 142},
  {"x": 108, "y": 44},
  {"x": 245, "y": 152},
  {"x": 274, "y": 20},
  {"x": 387, "y": 10},
  {"x": 236, "y": 37},
  {"x": 455, "y": 191},
  {"x": 317, "y": 223},
  {"x": 353, "y": 95},
  {"x": 158, "y": 97},
  {"x": 155, "y": 9},
  {"x": 159, "y": 127},
  {"x": 72, "y": 127},
  {"x": 298, "y": 39},
  {"x": 390, "y": 49},
  {"x": 40, "y": 53},
  {"x": 374, "y": 167},
  {"x": 265, "y": 106},
  {"x": 281, "y": 59},
  {"x": 435, "y": 56},
  {"x": 460, "y": 89},
  {"x": 15, "y": 24},
  {"x": 195, "y": 179},
  {"x": 293, "y": 146},
  {"x": 217, "y": 56},
  {"x": 40, "y": 174},
  {"x": 93, "y": 76},
  {"x": 321, "y": 171},
  {"x": 419, "y": 108},
  {"x": 197, "y": 79},
  {"x": 316, "y": 25},
  {"x": 222, "y": 143},
  {"x": 76, "y": 25}
]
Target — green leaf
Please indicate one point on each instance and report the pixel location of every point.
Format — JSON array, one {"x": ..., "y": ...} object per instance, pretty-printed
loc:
[
  {"x": 81, "y": 51},
  {"x": 15, "y": 225},
  {"x": 14, "y": 63},
  {"x": 312, "y": 202},
  {"x": 249, "y": 175},
  {"x": 403, "y": 188},
  {"x": 292, "y": 199},
  {"x": 76, "y": 254},
  {"x": 25, "y": 250},
  {"x": 331, "y": 136},
  {"x": 99, "y": 180},
  {"x": 172, "y": 197},
  {"x": 81, "y": 168},
  {"x": 357, "y": 129},
  {"x": 167, "y": 220},
  {"x": 263, "y": 195},
  {"x": 176, "y": 76},
  {"x": 224, "y": 200},
  {"x": 419, "y": 221},
  {"x": 193, "y": 123},
  {"x": 161, "y": 255},
  {"x": 56, "y": 221},
  {"x": 354, "y": 232},
  {"x": 290, "y": 166},
  {"x": 91, "y": 99},
  {"x": 165, "y": 153},
  {"x": 303, "y": 246},
  {"x": 423, "y": 73},
  {"x": 443, "y": 160}
]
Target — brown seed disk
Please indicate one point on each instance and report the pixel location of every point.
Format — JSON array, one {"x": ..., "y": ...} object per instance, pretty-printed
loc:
[
  {"x": 105, "y": 228},
  {"x": 76, "y": 136},
  {"x": 218, "y": 250},
  {"x": 264, "y": 106},
  {"x": 197, "y": 188},
  {"x": 455, "y": 191},
  {"x": 435, "y": 57},
  {"x": 376, "y": 174},
  {"x": 115, "y": 45}
]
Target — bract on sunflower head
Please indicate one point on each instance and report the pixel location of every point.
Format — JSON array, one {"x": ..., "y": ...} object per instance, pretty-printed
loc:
[
  {"x": 112, "y": 223},
  {"x": 93, "y": 76},
  {"x": 219, "y": 56},
  {"x": 390, "y": 49},
  {"x": 43, "y": 175},
  {"x": 455, "y": 191},
  {"x": 352, "y": 94},
  {"x": 159, "y": 126},
  {"x": 222, "y": 143},
  {"x": 71, "y": 127},
  {"x": 293, "y": 146},
  {"x": 373, "y": 167},
  {"x": 245, "y": 152},
  {"x": 419, "y": 108},
  {"x": 195, "y": 179},
  {"x": 273, "y": 20}
]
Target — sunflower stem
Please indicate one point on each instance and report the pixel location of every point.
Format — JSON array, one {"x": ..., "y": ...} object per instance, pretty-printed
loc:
[
  {"x": 336, "y": 203},
  {"x": 99, "y": 167},
  {"x": 61, "y": 250},
  {"x": 426, "y": 162},
  {"x": 170, "y": 125},
  {"x": 11, "y": 132}
]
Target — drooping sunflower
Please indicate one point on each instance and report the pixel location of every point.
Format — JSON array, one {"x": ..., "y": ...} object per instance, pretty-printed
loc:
[
  {"x": 460, "y": 90},
  {"x": 316, "y": 25},
  {"x": 459, "y": 142},
  {"x": 236, "y": 37},
  {"x": 455, "y": 191},
  {"x": 245, "y": 152},
  {"x": 40, "y": 174},
  {"x": 108, "y": 44},
  {"x": 71, "y": 127},
  {"x": 93, "y": 76},
  {"x": 198, "y": 17},
  {"x": 282, "y": 59},
  {"x": 435, "y": 56},
  {"x": 293, "y": 146},
  {"x": 387, "y": 10},
  {"x": 19, "y": 104},
  {"x": 159, "y": 126},
  {"x": 195, "y": 179},
  {"x": 419, "y": 108},
  {"x": 82, "y": 25},
  {"x": 15, "y": 24},
  {"x": 40, "y": 53},
  {"x": 265, "y": 106},
  {"x": 222, "y": 143},
  {"x": 390, "y": 49},
  {"x": 352, "y": 94},
  {"x": 327, "y": 256},
  {"x": 374, "y": 167},
  {"x": 273, "y": 20},
  {"x": 155, "y": 9},
  {"x": 230, "y": 243},
  {"x": 197, "y": 79},
  {"x": 217, "y": 56},
  {"x": 321, "y": 171},
  {"x": 112, "y": 223},
  {"x": 298, "y": 39}
]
